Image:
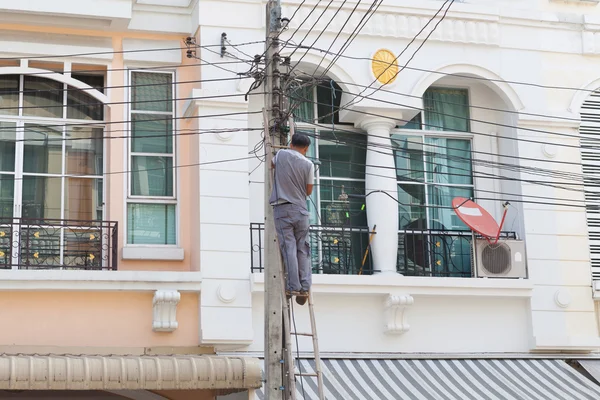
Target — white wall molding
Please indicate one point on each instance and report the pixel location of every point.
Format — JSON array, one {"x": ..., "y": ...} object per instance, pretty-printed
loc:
[
  {"x": 164, "y": 307},
  {"x": 102, "y": 281},
  {"x": 395, "y": 310},
  {"x": 416, "y": 286}
]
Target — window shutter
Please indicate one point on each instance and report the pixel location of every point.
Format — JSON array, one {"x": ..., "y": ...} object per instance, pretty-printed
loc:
[{"x": 590, "y": 159}]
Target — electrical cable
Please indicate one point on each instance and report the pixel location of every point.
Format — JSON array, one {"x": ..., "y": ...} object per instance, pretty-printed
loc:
[
  {"x": 319, "y": 35},
  {"x": 411, "y": 58},
  {"x": 354, "y": 34},
  {"x": 99, "y": 53},
  {"x": 543, "y": 172}
]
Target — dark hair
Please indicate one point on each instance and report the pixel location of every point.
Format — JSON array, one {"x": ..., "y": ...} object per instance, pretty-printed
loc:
[{"x": 300, "y": 140}]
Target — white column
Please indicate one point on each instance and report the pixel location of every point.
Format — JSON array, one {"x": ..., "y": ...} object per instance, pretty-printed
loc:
[{"x": 382, "y": 208}]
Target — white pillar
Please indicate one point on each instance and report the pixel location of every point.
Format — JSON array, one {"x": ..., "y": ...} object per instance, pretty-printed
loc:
[{"x": 382, "y": 208}]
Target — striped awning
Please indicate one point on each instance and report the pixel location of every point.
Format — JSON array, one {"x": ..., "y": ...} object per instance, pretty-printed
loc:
[{"x": 359, "y": 379}]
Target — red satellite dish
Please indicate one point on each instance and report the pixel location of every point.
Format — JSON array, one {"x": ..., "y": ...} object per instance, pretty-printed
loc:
[{"x": 477, "y": 218}]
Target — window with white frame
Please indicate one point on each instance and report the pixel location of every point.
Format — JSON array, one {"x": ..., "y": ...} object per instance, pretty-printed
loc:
[
  {"x": 433, "y": 166},
  {"x": 51, "y": 136},
  {"x": 340, "y": 232},
  {"x": 152, "y": 200}
]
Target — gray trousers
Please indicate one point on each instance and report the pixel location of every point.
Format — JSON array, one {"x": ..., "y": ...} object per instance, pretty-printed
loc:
[{"x": 291, "y": 224}]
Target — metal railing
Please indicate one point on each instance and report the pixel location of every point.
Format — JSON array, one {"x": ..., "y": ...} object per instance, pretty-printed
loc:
[
  {"x": 334, "y": 249},
  {"x": 438, "y": 253},
  {"x": 58, "y": 244}
]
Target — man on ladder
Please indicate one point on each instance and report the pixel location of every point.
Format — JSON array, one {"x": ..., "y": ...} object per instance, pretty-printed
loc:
[{"x": 293, "y": 183}]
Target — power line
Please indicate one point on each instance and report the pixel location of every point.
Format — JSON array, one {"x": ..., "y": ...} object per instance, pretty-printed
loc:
[
  {"x": 537, "y": 85},
  {"x": 320, "y": 34},
  {"x": 468, "y": 119},
  {"x": 89, "y": 176},
  {"x": 110, "y": 52},
  {"x": 407, "y": 46},
  {"x": 373, "y": 148},
  {"x": 74, "y": 89},
  {"x": 470, "y": 131}
]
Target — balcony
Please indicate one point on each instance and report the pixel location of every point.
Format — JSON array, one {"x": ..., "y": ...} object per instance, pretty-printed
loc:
[
  {"x": 341, "y": 250},
  {"x": 335, "y": 250},
  {"x": 58, "y": 244}
]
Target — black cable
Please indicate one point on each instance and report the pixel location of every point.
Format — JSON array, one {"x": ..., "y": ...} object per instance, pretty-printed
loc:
[
  {"x": 468, "y": 119},
  {"x": 71, "y": 88},
  {"x": 319, "y": 35},
  {"x": 544, "y": 172},
  {"x": 105, "y": 53},
  {"x": 354, "y": 34},
  {"x": 411, "y": 58}
]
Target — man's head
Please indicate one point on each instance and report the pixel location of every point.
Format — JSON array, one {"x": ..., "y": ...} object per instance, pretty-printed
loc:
[{"x": 300, "y": 143}]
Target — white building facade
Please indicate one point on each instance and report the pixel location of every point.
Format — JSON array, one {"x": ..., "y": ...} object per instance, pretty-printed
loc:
[{"x": 497, "y": 105}]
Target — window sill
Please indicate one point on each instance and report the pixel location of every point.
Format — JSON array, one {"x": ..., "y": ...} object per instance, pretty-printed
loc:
[
  {"x": 152, "y": 253},
  {"x": 137, "y": 281},
  {"x": 415, "y": 286}
]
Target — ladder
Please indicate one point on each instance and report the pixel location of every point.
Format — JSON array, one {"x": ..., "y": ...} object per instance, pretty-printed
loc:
[{"x": 288, "y": 334}]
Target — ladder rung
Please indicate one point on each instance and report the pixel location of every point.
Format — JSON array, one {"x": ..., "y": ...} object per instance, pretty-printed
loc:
[
  {"x": 301, "y": 334},
  {"x": 306, "y": 374}
]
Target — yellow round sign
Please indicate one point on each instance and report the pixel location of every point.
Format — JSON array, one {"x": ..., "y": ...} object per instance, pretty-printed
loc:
[{"x": 384, "y": 66}]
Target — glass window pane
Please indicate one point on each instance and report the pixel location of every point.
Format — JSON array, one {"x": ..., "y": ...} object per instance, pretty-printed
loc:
[
  {"x": 411, "y": 207},
  {"x": 151, "y": 224},
  {"x": 311, "y": 202},
  {"x": 81, "y": 105},
  {"x": 329, "y": 97},
  {"x": 152, "y": 134},
  {"x": 152, "y": 92},
  {"x": 43, "y": 149},
  {"x": 408, "y": 151},
  {"x": 42, "y": 97},
  {"x": 9, "y": 94},
  {"x": 446, "y": 109},
  {"x": 302, "y": 102},
  {"x": 414, "y": 123},
  {"x": 342, "y": 155},
  {"x": 84, "y": 147},
  {"x": 95, "y": 81},
  {"x": 8, "y": 136},
  {"x": 152, "y": 176},
  {"x": 442, "y": 215},
  {"x": 336, "y": 210},
  {"x": 448, "y": 161},
  {"x": 82, "y": 201},
  {"x": 7, "y": 195},
  {"x": 41, "y": 197},
  {"x": 84, "y": 150}
]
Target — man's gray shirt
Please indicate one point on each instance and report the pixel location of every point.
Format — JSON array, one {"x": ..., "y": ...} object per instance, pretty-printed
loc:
[{"x": 293, "y": 172}]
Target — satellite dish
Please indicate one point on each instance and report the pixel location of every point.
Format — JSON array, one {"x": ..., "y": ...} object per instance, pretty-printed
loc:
[{"x": 477, "y": 218}]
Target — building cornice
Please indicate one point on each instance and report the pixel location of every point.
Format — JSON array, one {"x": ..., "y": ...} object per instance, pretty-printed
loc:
[{"x": 103, "y": 281}]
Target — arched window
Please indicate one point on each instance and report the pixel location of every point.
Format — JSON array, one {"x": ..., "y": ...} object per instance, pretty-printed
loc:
[
  {"x": 431, "y": 169},
  {"x": 340, "y": 233},
  {"x": 51, "y": 161}
]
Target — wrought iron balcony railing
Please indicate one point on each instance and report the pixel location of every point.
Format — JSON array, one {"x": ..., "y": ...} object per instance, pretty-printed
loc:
[
  {"x": 340, "y": 250},
  {"x": 58, "y": 244},
  {"x": 438, "y": 253},
  {"x": 334, "y": 249}
]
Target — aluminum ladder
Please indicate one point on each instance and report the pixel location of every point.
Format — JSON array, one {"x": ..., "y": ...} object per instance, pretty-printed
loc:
[{"x": 290, "y": 365}]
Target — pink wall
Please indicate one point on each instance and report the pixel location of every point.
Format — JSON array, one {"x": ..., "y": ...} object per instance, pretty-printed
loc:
[{"x": 111, "y": 319}]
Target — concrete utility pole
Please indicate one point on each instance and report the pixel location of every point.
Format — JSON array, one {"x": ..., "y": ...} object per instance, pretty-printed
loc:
[{"x": 276, "y": 381}]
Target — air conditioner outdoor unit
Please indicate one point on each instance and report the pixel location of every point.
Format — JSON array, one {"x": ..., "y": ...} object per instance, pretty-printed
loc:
[{"x": 505, "y": 259}]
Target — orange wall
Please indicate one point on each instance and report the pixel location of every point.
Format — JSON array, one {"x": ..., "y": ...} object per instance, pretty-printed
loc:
[{"x": 112, "y": 319}]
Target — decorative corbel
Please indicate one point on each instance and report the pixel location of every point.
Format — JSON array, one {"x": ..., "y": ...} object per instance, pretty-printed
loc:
[
  {"x": 165, "y": 310},
  {"x": 395, "y": 313}
]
